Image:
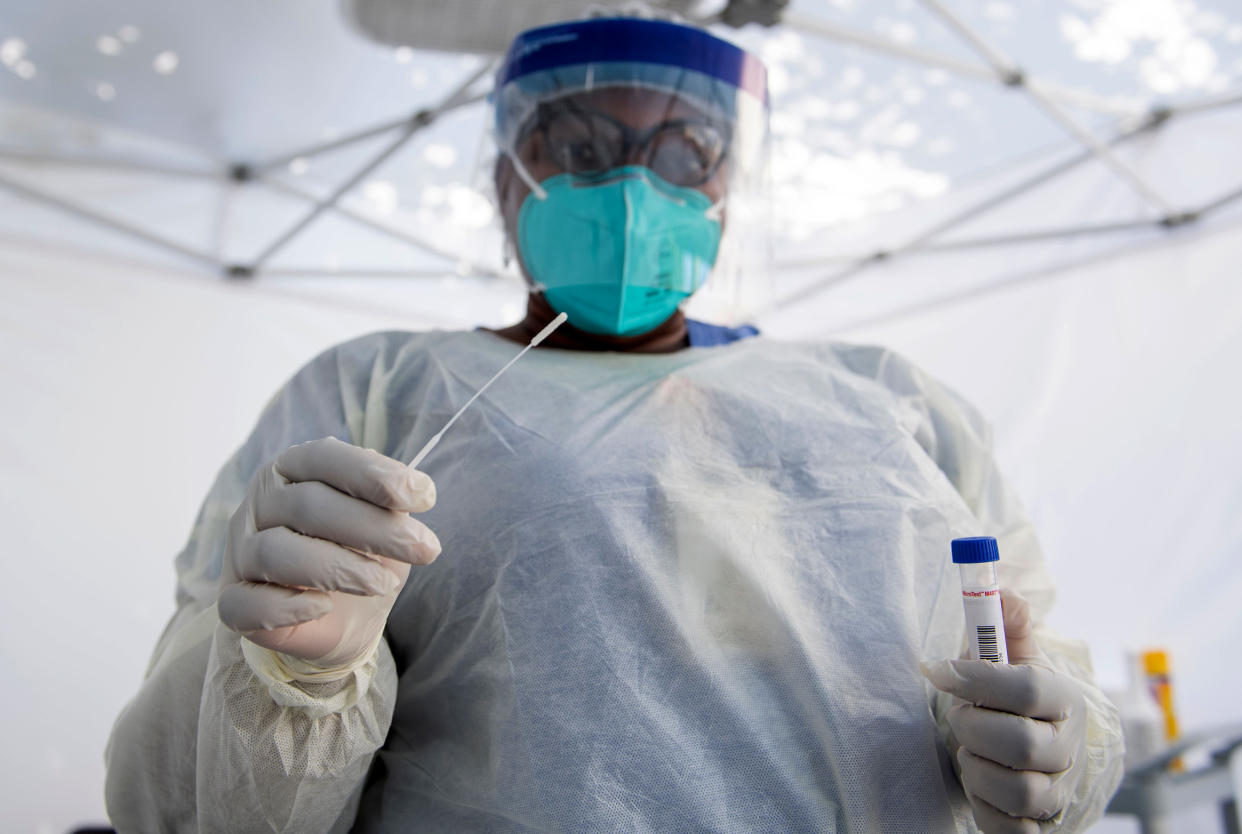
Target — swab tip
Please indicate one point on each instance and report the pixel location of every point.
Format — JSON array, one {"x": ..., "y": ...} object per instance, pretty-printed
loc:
[{"x": 555, "y": 323}]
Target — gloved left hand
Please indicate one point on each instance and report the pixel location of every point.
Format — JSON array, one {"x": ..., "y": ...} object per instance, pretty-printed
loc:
[{"x": 1022, "y": 729}]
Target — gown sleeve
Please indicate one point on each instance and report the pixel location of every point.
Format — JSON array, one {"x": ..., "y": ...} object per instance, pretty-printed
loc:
[
  {"x": 959, "y": 440},
  {"x": 212, "y": 743}
]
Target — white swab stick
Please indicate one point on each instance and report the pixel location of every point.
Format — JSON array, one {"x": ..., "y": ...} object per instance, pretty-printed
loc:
[{"x": 539, "y": 337}]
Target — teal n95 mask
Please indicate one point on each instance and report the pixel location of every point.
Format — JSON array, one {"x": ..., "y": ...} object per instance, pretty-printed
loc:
[{"x": 619, "y": 251}]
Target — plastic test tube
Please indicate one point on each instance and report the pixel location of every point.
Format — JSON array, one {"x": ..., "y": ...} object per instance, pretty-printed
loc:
[{"x": 976, "y": 559}]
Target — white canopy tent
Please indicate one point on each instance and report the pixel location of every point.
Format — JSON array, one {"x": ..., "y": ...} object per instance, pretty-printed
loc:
[{"x": 1036, "y": 204}]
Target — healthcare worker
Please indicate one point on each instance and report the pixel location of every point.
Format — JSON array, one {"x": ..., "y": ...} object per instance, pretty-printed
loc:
[{"x": 681, "y": 578}]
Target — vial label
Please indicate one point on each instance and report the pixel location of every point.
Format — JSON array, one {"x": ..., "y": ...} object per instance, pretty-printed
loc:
[{"x": 985, "y": 624}]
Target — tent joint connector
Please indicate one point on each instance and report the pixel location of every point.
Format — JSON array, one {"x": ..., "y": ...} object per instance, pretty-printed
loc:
[
  {"x": 1013, "y": 78},
  {"x": 422, "y": 119},
  {"x": 1158, "y": 116},
  {"x": 764, "y": 12},
  {"x": 241, "y": 172},
  {"x": 1182, "y": 218},
  {"x": 238, "y": 272},
  {"x": 880, "y": 255}
]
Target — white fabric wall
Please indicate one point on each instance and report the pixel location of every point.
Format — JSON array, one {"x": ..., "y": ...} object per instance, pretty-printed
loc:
[
  {"x": 1112, "y": 388},
  {"x": 126, "y": 388}
]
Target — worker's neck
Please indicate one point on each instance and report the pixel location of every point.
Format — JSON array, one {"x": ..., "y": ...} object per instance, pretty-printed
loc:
[{"x": 666, "y": 338}]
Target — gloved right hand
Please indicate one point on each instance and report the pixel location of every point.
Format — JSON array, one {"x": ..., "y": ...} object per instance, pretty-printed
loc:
[
  {"x": 1021, "y": 728},
  {"x": 295, "y": 578}
]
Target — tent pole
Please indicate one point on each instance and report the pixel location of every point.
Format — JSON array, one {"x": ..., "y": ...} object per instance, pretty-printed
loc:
[
  {"x": 921, "y": 240},
  {"x": 118, "y": 163},
  {"x": 1088, "y": 101},
  {"x": 1226, "y": 100},
  {"x": 457, "y": 99},
  {"x": 968, "y": 213},
  {"x": 325, "y": 147},
  {"x": 329, "y": 202},
  {"x": 1004, "y": 196},
  {"x": 1014, "y": 76},
  {"x": 1019, "y": 238},
  {"x": 983, "y": 206},
  {"x": 460, "y": 95},
  {"x": 366, "y": 272},
  {"x": 822, "y": 284},
  {"x": 353, "y": 138},
  {"x": 107, "y": 221},
  {"x": 1219, "y": 202},
  {"x": 1003, "y": 67},
  {"x": 420, "y": 120},
  {"x": 831, "y": 31},
  {"x": 1014, "y": 238},
  {"x": 1003, "y": 283},
  {"x": 382, "y": 228},
  {"x": 1032, "y": 182},
  {"x": 927, "y": 57},
  {"x": 1101, "y": 151},
  {"x": 1035, "y": 236}
]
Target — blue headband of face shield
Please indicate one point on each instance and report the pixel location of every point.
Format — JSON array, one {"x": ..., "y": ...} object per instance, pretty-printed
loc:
[{"x": 619, "y": 248}]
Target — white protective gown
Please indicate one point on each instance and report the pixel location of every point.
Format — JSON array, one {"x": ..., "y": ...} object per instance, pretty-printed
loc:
[{"x": 683, "y": 592}]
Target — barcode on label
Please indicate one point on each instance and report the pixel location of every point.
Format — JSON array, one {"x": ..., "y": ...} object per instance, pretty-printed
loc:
[{"x": 987, "y": 643}]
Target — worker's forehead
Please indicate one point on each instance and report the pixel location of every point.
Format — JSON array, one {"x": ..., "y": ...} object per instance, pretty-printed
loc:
[{"x": 637, "y": 106}]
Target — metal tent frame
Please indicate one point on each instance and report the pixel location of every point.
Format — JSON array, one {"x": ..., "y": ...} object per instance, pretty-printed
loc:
[
  {"x": 261, "y": 174},
  {"x": 1048, "y": 98},
  {"x": 995, "y": 67}
]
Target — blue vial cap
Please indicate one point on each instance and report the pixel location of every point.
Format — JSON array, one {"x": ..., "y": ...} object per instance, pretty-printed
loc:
[{"x": 976, "y": 549}]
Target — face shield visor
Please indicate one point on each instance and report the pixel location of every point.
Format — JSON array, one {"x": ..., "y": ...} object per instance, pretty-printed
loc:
[{"x": 639, "y": 152}]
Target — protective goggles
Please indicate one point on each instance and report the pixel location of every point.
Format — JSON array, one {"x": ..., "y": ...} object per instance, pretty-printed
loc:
[{"x": 587, "y": 143}]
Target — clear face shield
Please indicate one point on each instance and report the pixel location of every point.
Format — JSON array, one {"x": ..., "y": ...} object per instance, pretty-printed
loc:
[{"x": 637, "y": 170}]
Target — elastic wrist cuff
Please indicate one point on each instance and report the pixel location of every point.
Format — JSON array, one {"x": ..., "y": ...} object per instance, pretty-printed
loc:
[{"x": 285, "y": 668}]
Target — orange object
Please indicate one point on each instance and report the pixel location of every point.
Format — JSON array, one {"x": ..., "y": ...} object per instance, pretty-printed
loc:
[{"x": 1156, "y": 667}]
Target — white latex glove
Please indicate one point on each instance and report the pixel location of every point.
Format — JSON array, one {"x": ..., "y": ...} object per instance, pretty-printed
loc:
[
  {"x": 295, "y": 579},
  {"x": 1022, "y": 730}
]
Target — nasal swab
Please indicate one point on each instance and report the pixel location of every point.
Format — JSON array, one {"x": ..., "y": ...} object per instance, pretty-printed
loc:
[{"x": 539, "y": 337}]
